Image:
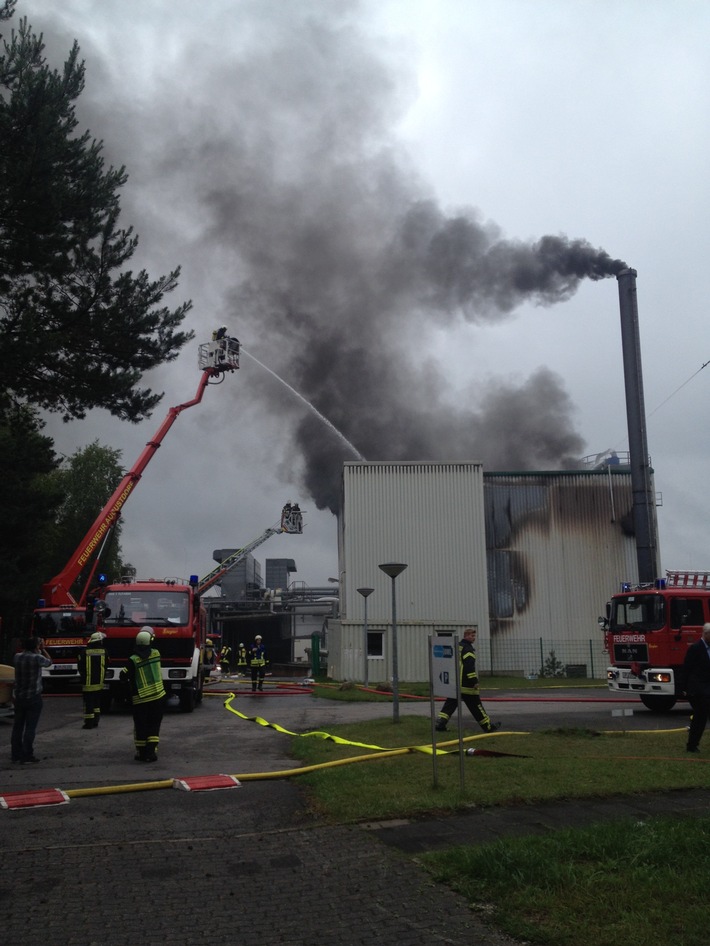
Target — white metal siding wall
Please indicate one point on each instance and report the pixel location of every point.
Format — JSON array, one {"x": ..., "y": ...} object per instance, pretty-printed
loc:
[{"x": 429, "y": 516}]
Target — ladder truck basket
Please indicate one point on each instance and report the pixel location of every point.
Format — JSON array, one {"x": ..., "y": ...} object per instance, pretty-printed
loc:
[{"x": 221, "y": 353}]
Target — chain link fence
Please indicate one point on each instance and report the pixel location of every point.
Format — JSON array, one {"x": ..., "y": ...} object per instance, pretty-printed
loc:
[{"x": 543, "y": 658}]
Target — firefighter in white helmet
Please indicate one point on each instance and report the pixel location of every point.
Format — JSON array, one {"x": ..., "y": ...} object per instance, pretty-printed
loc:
[
  {"x": 144, "y": 676},
  {"x": 257, "y": 663}
]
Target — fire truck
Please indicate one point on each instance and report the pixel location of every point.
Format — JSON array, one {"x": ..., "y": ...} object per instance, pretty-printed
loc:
[
  {"x": 173, "y": 608},
  {"x": 65, "y": 621},
  {"x": 647, "y": 631}
]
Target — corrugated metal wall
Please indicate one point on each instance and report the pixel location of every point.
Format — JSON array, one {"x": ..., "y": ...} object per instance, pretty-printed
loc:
[
  {"x": 558, "y": 546},
  {"x": 431, "y": 517},
  {"x": 528, "y": 557}
]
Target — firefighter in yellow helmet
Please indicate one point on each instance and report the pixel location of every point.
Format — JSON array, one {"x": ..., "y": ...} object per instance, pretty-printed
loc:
[
  {"x": 242, "y": 660},
  {"x": 225, "y": 659},
  {"x": 209, "y": 658},
  {"x": 92, "y": 667},
  {"x": 144, "y": 676}
]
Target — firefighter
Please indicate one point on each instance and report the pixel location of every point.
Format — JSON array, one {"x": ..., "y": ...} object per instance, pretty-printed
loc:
[
  {"x": 470, "y": 694},
  {"x": 92, "y": 667},
  {"x": 257, "y": 663},
  {"x": 225, "y": 659},
  {"x": 242, "y": 660},
  {"x": 143, "y": 673},
  {"x": 209, "y": 659}
]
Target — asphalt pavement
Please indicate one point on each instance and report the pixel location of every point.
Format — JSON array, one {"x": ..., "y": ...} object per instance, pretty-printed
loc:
[{"x": 131, "y": 859}]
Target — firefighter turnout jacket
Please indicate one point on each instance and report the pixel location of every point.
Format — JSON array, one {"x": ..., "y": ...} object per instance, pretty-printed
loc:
[
  {"x": 145, "y": 681},
  {"x": 92, "y": 667}
]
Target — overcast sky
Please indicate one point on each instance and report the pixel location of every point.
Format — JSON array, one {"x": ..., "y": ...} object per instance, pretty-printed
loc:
[{"x": 358, "y": 190}]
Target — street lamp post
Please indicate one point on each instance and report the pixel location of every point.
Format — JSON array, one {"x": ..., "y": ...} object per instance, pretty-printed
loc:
[
  {"x": 393, "y": 569},
  {"x": 365, "y": 592}
]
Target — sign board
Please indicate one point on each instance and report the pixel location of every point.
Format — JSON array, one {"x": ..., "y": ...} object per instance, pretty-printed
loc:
[{"x": 444, "y": 664}]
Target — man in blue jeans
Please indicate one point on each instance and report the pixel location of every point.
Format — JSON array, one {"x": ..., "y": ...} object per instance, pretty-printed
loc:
[{"x": 27, "y": 697}]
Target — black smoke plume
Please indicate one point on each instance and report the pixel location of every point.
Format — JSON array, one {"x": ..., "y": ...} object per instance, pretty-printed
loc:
[{"x": 334, "y": 258}]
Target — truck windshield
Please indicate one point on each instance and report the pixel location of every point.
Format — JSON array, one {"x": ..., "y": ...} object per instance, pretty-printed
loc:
[
  {"x": 638, "y": 613},
  {"x": 157, "y": 608},
  {"x": 61, "y": 624}
]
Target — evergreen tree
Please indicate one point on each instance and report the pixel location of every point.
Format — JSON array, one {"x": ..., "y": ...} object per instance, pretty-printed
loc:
[
  {"x": 29, "y": 500},
  {"x": 77, "y": 328}
]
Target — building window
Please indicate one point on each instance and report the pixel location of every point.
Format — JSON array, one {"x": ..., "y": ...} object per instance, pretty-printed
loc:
[{"x": 375, "y": 644}]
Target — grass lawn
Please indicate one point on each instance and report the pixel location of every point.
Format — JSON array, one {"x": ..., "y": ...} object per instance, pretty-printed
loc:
[{"x": 625, "y": 883}]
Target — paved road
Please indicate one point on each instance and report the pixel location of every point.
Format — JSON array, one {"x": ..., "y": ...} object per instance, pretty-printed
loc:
[{"x": 159, "y": 865}]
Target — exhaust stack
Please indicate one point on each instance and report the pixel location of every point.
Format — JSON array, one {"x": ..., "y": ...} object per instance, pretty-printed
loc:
[{"x": 644, "y": 500}]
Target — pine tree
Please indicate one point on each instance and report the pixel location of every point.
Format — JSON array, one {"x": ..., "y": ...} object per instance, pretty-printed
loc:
[{"x": 77, "y": 328}]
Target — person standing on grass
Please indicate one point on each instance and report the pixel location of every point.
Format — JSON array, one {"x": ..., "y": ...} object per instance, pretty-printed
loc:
[
  {"x": 27, "y": 696},
  {"x": 470, "y": 694},
  {"x": 696, "y": 671}
]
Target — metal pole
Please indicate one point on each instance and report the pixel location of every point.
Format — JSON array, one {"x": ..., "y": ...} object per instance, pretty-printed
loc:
[
  {"x": 395, "y": 657},
  {"x": 393, "y": 569},
  {"x": 365, "y": 592},
  {"x": 366, "y": 676},
  {"x": 435, "y": 783}
]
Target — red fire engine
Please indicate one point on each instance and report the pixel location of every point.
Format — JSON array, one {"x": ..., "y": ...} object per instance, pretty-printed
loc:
[
  {"x": 647, "y": 631},
  {"x": 62, "y": 619}
]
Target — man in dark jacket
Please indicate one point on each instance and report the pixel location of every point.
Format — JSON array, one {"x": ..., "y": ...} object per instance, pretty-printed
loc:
[
  {"x": 696, "y": 671},
  {"x": 470, "y": 693}
]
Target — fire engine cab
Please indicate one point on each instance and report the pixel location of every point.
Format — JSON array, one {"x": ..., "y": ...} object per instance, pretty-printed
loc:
[{"x": 647, "y": 631}]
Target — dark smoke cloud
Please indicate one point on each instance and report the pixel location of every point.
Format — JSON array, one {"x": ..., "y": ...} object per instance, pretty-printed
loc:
[{"x": 339, "y": 259}]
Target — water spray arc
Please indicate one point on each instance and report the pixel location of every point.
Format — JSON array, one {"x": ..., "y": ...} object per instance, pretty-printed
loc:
[{"x": 308, "y": 404}]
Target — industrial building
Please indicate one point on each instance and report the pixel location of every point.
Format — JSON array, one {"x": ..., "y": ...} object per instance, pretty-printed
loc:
[{"x": 529, "y": 558}]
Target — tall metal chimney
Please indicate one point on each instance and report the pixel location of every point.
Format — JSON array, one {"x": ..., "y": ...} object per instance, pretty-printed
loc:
[{"x": 644, "y": 500}]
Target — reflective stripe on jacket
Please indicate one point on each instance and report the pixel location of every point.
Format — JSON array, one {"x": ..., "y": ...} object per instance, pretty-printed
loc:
[
  {"x": 147, "y": 682},
  {"x": 258, "y": 655},
  {"x": 469, "y": 677},
  {"x": 92, "y": 666}
]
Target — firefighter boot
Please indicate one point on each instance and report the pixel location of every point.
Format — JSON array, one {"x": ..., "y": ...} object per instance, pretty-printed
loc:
[{"x": 441, "y": 725}]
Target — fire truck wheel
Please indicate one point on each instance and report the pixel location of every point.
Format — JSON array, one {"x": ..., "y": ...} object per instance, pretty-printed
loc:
[
  {"x": 658, "y": 704},
  {"x": 187, "y": 700}
]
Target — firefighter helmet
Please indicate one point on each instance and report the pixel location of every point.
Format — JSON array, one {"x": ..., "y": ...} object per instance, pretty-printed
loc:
[
  {"x": 258, "y": 637},
  {"x": 208, "y": 643},
  {"x": 96, "y": 637},
  {"x": 145, "y": 637}
]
